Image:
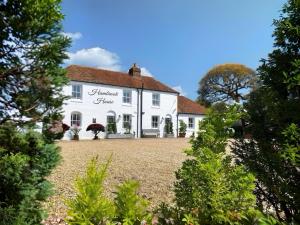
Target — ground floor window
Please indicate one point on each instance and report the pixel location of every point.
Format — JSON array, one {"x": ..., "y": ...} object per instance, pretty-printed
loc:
[
  {"x": 191, "y": 122},
  {"x": 127, "y": 121},
  {"x": 154, "y": 122},
  {"x": 75, "y": 119}
]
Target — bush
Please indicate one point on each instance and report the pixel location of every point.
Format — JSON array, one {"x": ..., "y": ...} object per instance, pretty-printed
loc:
[
  {"x": 96, "y": 128},
  {"x": 182, "y": 127},
  {"x": 25, "y": 162},
  {"x": 90, "y": 206},
  {"x": 209, "y": 188},
  {"x": 55, "y": 131}
]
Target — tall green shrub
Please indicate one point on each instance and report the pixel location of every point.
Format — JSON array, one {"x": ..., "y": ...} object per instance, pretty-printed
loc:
[
  {"x": 272, "y": 153},
  {"x": 25, "y": 161},
  {"x": 209, "y": 186}
]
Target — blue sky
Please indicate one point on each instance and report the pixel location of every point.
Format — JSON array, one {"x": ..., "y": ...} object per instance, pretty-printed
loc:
[{"x": 175, "y": 41}]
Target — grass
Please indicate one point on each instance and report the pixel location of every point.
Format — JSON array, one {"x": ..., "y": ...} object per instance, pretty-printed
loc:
[{"x": 150, "y": 161}]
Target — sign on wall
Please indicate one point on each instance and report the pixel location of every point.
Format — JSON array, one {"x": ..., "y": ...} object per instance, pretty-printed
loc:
[{"x": 106, "y": 96}]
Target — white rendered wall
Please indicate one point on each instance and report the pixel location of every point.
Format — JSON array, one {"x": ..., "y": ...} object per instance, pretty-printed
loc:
[
  {"x": 167, "y": 108},
  {"x": 99, "y": 106},
  {"x": 185, "y": 118}
]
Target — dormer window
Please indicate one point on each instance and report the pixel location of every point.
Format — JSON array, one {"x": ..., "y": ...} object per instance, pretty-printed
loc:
[
  {"x": 77, "y": 91},
  {"x": 156, "y": 99}
]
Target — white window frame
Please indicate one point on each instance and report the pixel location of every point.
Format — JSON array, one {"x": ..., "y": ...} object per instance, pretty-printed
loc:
[
  {"x": 155, "y": 122},
  {"x": 127, "y": 97},
  {"x": 155, "y": 99},
  {"x": 77, "y": 93},
  {"x": 77, "y": 120},
  {"x": 126, "y": 121},
  {"x": 191, "y": 122}
]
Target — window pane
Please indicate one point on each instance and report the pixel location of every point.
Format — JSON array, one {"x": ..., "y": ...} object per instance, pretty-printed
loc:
[
  {"x": 127, "y": 121},
  {"x": 191, "y": 122},
  {"x": 154, "y": 122},
  {"x": 155, "y": 99},
  {"x": 127, "y": 96},
  {"x": 76, "y": 119},
  {"x": 76, "y": 91}
]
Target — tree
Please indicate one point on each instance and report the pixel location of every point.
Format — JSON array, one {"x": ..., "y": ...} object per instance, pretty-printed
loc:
[
  {"x": 32, "y": 49},
  {"x": 226, "y": 82},
  {"x": 96, "y": 128},
  {"x": 272, "y": 153}
]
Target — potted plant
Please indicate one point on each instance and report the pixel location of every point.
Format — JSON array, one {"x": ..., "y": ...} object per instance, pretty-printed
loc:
[
  {"x": 56, "y": 130},
  {"x": 169, "y": 129},
  {"x": 182, "y": 128},
  {"x": 75, "y": 130},
  {"x": 96, "y": 128},
  {"x": 112, "y": 128}
]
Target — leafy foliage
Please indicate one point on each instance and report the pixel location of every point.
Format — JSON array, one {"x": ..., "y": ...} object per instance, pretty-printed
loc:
[
  {"x": 55, "y": 131},
  {"x": 274, "y": 120},
  {"x": 131, "y": 208},
  {"x": 209, "y": 187},
  {"x": 96, "y": 128},
  {"x": 32, "y": 49},
  {"x": 112, "y": 128},
  {"x": 91, "y": 207},
  {"x": 226, "y": 82},
  {"x": 25, "y": 161},
  {"x": 182, "y": 127}
]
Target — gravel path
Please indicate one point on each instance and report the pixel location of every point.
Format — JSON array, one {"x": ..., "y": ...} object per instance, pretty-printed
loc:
[{"x": 150, "y": 161}]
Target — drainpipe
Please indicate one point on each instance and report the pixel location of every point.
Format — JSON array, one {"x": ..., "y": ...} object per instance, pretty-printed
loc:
[
  {"x": 137, "y": 113},
  {"x": 177, "y": 125},
  {"x": 141, "y": 110}
]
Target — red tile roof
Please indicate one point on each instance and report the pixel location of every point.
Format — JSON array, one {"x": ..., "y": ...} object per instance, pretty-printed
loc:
[
  {"x": 187, "y": 106},
  {"x": 100, "y": 76}
]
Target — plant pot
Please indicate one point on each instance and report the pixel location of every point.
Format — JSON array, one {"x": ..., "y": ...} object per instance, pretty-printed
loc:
[
  {"x": 181, "y": 135},
  {"x": 76, "y": 137}
]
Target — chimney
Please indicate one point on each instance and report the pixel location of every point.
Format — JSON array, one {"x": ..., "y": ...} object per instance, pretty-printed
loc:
[{"x": 134, "y": 71}]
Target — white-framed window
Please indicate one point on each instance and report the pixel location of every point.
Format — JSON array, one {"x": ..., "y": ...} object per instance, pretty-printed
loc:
[
  {"x": 191, "y": 122},
  {"x": 77, "y": 91},
  {"x": 76, "y": 119},
  {"x": 127, "y": 96},
  {"x": 127, "y": 121},
  {"x": 155, "y": 99},
  {"x": 110, "y": 119},
  {"x": 155, "y": 121}
]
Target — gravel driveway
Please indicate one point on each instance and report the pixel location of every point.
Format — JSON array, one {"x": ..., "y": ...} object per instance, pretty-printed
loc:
[{"x": 150, "y": 161}]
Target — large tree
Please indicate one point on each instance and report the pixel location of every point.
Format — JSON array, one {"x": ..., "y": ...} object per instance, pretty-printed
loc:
[
  {"x": 273, "y": 152},
  {"x": 226, "y": 82},
  {"x": 32, "y": 50}
]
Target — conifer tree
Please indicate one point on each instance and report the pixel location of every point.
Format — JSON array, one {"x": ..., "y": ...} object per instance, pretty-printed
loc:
[
  {"x": 32, "y": 48},
  {"x": 273, "y": 152}
]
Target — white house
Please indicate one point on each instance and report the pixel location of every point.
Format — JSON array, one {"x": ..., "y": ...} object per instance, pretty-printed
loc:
[{"x": 137, "y": 104}]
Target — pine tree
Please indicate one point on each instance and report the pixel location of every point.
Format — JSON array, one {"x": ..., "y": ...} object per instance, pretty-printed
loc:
[{"x": 272, "y": 153}]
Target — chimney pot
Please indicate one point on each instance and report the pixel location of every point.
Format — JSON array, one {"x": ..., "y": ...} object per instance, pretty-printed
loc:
[{"x": 134, "y": 71}]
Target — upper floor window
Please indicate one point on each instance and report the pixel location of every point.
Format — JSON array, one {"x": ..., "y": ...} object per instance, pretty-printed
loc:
[
  {"x": 155, "y": 121},
  {"x": 155, "y": 99},
  {"x": 76, "y": 119},
  {"x": 76, "y": 91},
  {"x": 127, "y": 96},
  {"x": 191, "y": 122}
]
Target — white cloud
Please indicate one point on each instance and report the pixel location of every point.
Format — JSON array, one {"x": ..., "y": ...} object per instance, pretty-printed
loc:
[
  {"x": 74, "y": 36},
  {"x": 146, "y": 72},
  {"x": 95, "y": 57},
  {"x": 180, "y": 90}
]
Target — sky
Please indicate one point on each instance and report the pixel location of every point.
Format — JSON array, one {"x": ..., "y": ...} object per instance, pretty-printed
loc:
[{"x": 175, "y": 41}]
